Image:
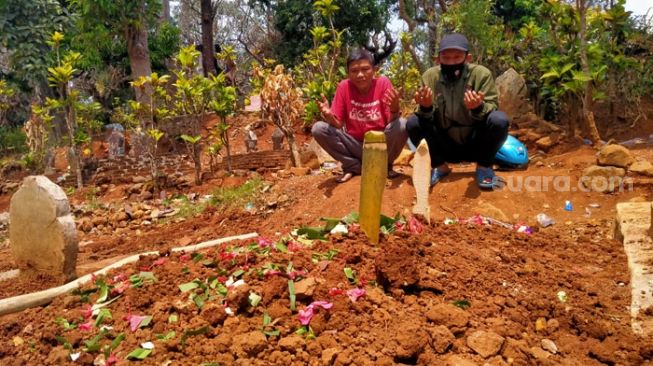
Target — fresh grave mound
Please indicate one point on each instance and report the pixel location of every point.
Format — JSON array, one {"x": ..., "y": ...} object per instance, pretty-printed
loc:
[{"x": 451, "y": 294}]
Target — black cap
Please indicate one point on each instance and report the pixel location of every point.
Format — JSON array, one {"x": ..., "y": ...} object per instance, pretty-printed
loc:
[{"x": 454, "y": 41}]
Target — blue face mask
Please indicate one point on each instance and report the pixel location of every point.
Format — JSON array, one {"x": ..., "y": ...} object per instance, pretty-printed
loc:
[{"x": 451, "y": 73}]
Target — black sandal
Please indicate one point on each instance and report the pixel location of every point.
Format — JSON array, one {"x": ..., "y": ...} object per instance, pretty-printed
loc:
[
  {"x": 392, "y": 174},
  {"x": 345, "y": 177}
]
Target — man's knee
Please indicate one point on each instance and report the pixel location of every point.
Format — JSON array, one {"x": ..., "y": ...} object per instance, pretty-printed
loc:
[
  {"x": 319, "y": 129},
  {"x": 412, "y": 123},
  {"x": 498, "y": 120}
]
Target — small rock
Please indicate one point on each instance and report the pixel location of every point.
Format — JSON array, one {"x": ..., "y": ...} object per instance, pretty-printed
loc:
[
  {"x": 238, "y": 297},
  {"x": 214, "y": 314},
  {"x": 454, "y": 318},
  {"x": 615, "y": 155},
  {"x": 329, "y": 355},
  {"x": 485, "y": 343},
  {"x": 552, "y": 325},
  {"x": 139, "y": 179},
  {"x": 249, "y": 344},
  {"x": 305, "y": 288},
  {"x": 292, "y": 343},
  {"x": 550, "y": 346},
  {"x": 155, "y": 214},
  {"x": 539, "y": 354},
  {"x": 459, "y": 361},
  {"x": 85, "y": 224},
  {"x": 442, "y": 339},
  {"x": 300, "y": 171},
  {"x": 642, "y": 168},
  {"x": 546, "y": 143},
  {"x": 602, "y": 178}
]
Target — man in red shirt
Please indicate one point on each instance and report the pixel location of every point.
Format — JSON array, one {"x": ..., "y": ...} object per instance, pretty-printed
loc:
[{"x": 362, "y": 103}]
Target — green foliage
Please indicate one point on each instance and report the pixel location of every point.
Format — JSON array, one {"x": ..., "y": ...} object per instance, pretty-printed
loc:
[
  {"x": 12, "y": 140},
  {"x": 404, "y": 73},
  {"x": 248, "y": 192},
  {"x": 25, "y": 29},
  {"x": 294, "y": 20}
]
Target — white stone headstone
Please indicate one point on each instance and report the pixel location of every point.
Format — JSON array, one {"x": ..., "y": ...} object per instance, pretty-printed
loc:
[
  {"x": 422, "y": 181},
  {"x": 42, "y": 230}
]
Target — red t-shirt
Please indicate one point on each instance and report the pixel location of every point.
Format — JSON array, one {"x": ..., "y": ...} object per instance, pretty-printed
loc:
[{"x": 362, "y": 112}]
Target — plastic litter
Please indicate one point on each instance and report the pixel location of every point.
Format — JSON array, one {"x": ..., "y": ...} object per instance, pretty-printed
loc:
[
  {"x": 484, "y": 220},
  {"x": 568, "y": 206},
  {"x": 544, "y": 220}
]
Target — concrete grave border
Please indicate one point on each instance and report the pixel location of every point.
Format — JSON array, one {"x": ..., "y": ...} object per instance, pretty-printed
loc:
[{"x": 633, "y": 227}]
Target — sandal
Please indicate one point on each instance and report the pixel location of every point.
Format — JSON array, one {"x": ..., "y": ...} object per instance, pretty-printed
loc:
[
  {"x": 486, "y": 179},
  {"x": 393, "y": 174},
  {"x": 437, "y": 175},
  {"x": 345, "y": 177}
]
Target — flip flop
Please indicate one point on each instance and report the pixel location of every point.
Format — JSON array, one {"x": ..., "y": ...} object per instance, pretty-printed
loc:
[
  {"x": 486, "y": 179},
  {"x": 345, "y": 177},
  {"x": 393, "y": 174},
  {"x": 437, "y": 175}
]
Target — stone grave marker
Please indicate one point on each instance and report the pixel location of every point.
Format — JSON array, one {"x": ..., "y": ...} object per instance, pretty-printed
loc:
[{"x": 42, "y": 230}]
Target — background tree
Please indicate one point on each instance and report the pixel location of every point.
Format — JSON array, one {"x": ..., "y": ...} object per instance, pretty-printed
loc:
[{"x": 129, "y": 19}]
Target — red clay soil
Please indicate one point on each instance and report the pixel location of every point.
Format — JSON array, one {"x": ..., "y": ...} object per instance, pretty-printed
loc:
[
  {"x": 426, "y": 298},
  {"x": 312, "y": 197}
]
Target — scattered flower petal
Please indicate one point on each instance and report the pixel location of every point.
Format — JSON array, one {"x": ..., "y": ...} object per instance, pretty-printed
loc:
[
  {"x": 228, "y": 311},
  {"x": 75, "y": 356},
  {"x": 336, "y": 291},
  {"x": 85, "y": 327},
  {"x": 147, "y": 345},
  {"x": 119, "y": 277},
  {"x": 356, "y": 293},
  {"x": 323, "y": 304},
  {"x": 112, "y": 360},
  {"x": 295, "y": 246},
  {"x": 159, "y": 262},
  {"x": 87, "y": 312},
  {"x": 134, "y": 321},
  {"x": 414, "y": 226},
  {"x": 306, "y": 315},
  {"x": 264, "y": 242}
]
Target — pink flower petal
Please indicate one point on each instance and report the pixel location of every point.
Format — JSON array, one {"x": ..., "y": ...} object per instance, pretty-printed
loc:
[
  {"x": 135, "y": 321},
  {"x": 323, "y": 304},
  {"x": 336, "y": 291},
  {"x": 86, "y": 326},
  {"x": 112, "y": 360},
  {"x": 294, "y": 246},
  {"x": 306, "y": 315},
  {"x": 87, "y": 312},
  {"x": 159, "y": 262},
  {"x": 119, "y": 277},
  {"x": 414, "y": 226},
  {"x": 356, "y": 293},
  {"x": 264, "y": 242},
  {"x": 272, "y": 272}
]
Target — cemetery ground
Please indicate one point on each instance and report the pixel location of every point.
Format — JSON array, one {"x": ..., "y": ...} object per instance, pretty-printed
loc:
[{"x": 461, "y": 293}]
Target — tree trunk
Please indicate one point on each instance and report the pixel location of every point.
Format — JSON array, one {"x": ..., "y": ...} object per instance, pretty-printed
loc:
[
  {"x": 208, "y": 53},
  {"x": 198, "y": 163},
  {"x": 165, "y": 11},
  {"x": 587, "y": 116},
  {"x": 225, "y": 139},
  {"x": 139, "y": 58},
  {"x": 292, "y": 144}
]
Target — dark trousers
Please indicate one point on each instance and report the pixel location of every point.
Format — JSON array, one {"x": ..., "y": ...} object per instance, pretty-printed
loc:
[{"x": 480, "y": 147}]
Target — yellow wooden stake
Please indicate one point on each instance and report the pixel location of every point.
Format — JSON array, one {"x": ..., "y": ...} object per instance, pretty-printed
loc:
[{"x": 373, "y": 178}]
